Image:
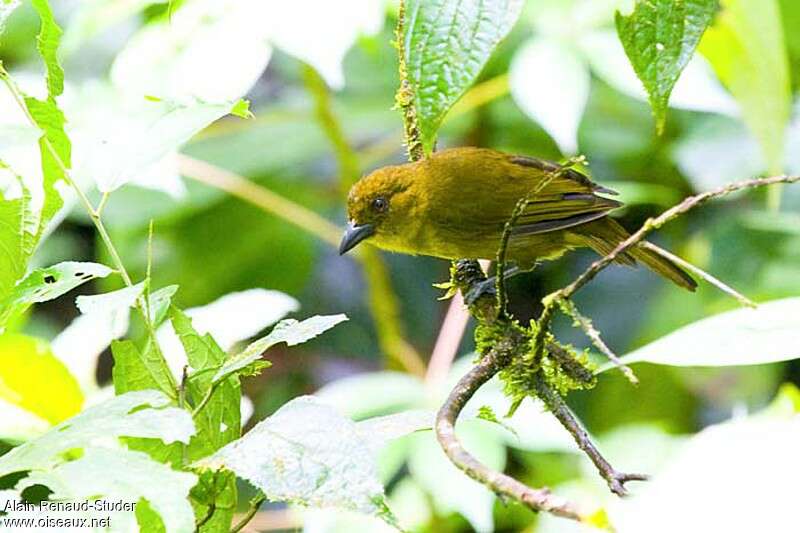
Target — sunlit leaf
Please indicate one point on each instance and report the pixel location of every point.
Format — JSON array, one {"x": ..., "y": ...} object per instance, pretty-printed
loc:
[
  {"x": 660, "y": 37},
  {"x": 289, "y": 331},
  {"x": 135, "y": 476},
  {"x": 445, "y": 44},
  {"x": 6, "y": 8},
  {"x": 747, "y": 50},
  {"x": 33, "y": 379},
  {"x": 767, "y": 334},
  {"x": 307, "y": 454},
  {"x": 46, "y": 284},
  {"x": 136, "y": 414},
  {"x": 18, "y": 230},
  {"x": 558, "y": 104}
]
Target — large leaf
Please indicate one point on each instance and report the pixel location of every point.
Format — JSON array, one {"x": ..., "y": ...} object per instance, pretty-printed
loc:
[
  {"x": 747, "y": 50},
  {"x": 766, "y": 334},
  {"x": 34, "y": 380},
  {"x": 309, "y": 454},
  {"x": 125, "y": 476},
  {"x": 136, "y": 414},
  {"x": 660, "y": 37},
  {"x": 46, "y": 284},
  {"x": 289, "y": 331},
  {"x": 445, "y": 44}
]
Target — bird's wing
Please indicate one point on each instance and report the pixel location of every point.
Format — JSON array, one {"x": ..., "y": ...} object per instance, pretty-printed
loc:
[{"x": 567, "y": 200}]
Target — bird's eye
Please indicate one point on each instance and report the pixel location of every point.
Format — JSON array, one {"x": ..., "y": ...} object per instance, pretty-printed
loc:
[{"x": 380, "y": 204}]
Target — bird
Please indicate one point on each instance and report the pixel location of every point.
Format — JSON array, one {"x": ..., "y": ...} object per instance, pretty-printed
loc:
[{"x": 455, "y": 204}]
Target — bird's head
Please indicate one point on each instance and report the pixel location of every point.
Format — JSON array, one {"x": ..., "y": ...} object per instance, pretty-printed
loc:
[{"x": 379, "y": 207}]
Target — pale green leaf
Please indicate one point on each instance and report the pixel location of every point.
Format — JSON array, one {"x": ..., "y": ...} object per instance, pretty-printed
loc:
[
  {"x": 47, "y": 43},
  {"x": 307, "y": 454},
  {"x": 450, "y": 488},
  {"x": 446, "y": 44},
  {"x": 767, "y": 334},
  {"x": 124, "y": 298},
  {"x": 289, "y": 331},
  {"x": 660, "y": 37},
  {"x": 46, "y": 284},
  {"x": 125, "y": 476},
  {"x": 747, "y": 50},
  {"x": 242, "y": 109},
  {"x": 381, "y": 430},
  {"x": 6, "y": 8},
  {"x": 136, "y": 414}
]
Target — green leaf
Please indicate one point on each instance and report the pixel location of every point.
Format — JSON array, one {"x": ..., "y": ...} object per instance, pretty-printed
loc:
[
  {"x": 160, "y": 302},
  {"x": 115, "y": 305},
  {"x": 215, "y": 492},
  {"x": 307, "y": 454},
  {"x": 32, "y": 378},
  {"x": 136, "y": 414},
  {"x": 47, "y": 43},
  {"x": 219, "y": 421},
  {"x": 660, "y": 37},
  {"x": 747, "y": 50},
  {"x": 242, "y": 109},
  {"x": 121, "y": 475},
  {"x": 767, "y": 334},
  {"x": 46, "y": 284},
  {"x": 445, "y": 45},
  {"x": 289, "y": 331},
  {"x": 19, "y": 225},
  {"x": 136, "y": 369}
]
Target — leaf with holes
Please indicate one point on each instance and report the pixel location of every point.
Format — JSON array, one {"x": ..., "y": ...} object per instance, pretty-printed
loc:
[
  {"x": 660, "y": 37},
  {"x": 49, "y": 283},
  {"x": 445, "y": 45}
]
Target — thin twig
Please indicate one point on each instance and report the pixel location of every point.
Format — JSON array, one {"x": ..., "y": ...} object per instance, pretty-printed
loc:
[
  {"x": 255, "y": 503},
  {"x": 616, "y": 480},
  {"x": 535, "y": 499},
  {"x": 667, "y": 216},
  {"x": 699, "y": 272},
  {"x": 585, "y": 323}
]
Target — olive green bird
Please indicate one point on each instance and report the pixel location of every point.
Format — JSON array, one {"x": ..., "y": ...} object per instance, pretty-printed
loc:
[{"x": 455, "y": 204}]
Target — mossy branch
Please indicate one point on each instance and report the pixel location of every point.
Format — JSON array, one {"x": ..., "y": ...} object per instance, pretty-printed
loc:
[{"x": 404, "y": 99}]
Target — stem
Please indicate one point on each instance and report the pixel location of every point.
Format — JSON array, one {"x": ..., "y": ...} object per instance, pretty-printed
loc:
[
  {"x": 699, "y": 272},
  {"x": 562, "y": 412},
  {"x": 94, "y": 214},
  {"x": 255, "y": 503},
  {"x": 382, "y": 299},
  {"x": 535, "y": 499}
]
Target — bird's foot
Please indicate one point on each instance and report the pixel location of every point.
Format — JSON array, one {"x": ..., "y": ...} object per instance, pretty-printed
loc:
[
  {"x": 616, "y": 481},
  {"x": 478, "y": 290}
]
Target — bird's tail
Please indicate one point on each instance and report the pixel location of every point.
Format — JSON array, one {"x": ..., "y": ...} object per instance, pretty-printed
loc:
[{"x": 603, "y": 235}]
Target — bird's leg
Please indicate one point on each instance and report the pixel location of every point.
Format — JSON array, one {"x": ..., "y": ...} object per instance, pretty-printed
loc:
[{"x": 488, "y": 285}]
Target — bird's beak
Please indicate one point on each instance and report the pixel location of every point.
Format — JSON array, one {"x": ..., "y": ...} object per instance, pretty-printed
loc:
[{"x": 353, "y": 235}]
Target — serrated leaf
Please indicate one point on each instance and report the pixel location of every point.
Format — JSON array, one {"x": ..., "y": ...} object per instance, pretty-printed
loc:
[
  {"x": 219, "y": 421},
  {"x": 135, "y": 476},
  {"x": 46, "y": 284},
  {"x": 289, "y": 331},
  {"x": 34, "y": 380},
  {"x": 215, "y": 492},
  {"x": 136, "y": 369},
  {"x": 136, "y": 414},
  {"x": 18, "y": 229},
  {"x": 446, "y": 44},
  {"x": 307, "y": 454},
  {"x": 767, "y": 334},
  {"x": 747, "y": 50},
  {"x": 241, "y": 109},
  {"x": 660, "y": 37}
]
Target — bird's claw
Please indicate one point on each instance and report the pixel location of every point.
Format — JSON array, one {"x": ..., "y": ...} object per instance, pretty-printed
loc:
[
  {"x": 478, "y": 290},
  {"x": 617, "y": 480}
]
